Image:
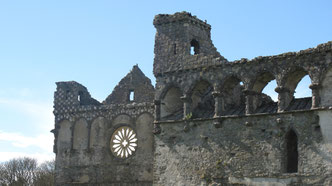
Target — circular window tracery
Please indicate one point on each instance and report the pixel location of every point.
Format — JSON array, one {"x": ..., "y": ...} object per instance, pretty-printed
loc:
[{"x": 123, "y": 142}]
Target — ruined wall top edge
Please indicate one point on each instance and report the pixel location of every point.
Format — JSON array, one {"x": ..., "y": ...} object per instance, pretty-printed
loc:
[
  {"x": 324, "y": 47},
  {"x": 173, "y": 45},
  {"x": 71, "y": 96},
  {"x": 179, "y": 17}
]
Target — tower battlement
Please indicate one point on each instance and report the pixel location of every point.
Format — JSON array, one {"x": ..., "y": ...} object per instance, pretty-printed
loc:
[{"x": 179, "y": 17}]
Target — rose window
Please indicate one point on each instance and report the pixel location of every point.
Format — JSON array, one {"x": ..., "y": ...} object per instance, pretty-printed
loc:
[{"x": 123, "y": 142}]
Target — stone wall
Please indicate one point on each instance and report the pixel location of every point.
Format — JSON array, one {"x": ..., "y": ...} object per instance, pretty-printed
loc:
[
  {"x": 247, "y": 149},
  {"x": 134, "y": 82},
  {"x": 226, "y": 131},
  {"x": 206, "y": 122},
  {"x": 85, "y": 130}
]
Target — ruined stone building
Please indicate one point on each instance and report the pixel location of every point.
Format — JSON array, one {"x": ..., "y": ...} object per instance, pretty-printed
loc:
[{"x": 205, "y": 122}]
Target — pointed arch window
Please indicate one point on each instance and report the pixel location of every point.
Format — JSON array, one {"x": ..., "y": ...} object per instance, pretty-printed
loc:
[{"x": 291, "y": 152}]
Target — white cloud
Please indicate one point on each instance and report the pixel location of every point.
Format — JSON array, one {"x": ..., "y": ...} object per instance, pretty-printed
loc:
[
  {"x": 40, "y": 117},
  {"x": 42, "y": 141},
  {"x": 41, "y": 157}
]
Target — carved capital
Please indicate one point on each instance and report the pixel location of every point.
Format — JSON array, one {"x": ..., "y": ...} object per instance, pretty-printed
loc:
[
  {"x": 315, "y": 86},
  {"x": 216, "y": 94},
  {"x": 156, "y": 102},
  {"x": 281, "y": 89},
  {"x": 186, "y": 99},
  {"x": 247, "y": 92}
]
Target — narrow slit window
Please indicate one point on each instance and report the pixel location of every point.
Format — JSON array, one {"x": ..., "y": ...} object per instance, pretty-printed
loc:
[
  {"x": 79, "y": 97},
  {"x": 67, "y": 94},
  {"x": 131, "y": 95},
  {"x": 174, "y": 48},
  {"x": 194, "y": 47},
  {"x": 192, "y": 52}
]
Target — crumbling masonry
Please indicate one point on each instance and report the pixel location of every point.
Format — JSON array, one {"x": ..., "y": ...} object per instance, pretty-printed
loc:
[{"x": 206, "y": 122}]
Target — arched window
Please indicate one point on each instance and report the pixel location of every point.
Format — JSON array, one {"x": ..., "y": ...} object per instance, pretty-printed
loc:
[
  {"x": 269, "y": 90},
  {"x": 194, "y": 47},
  {"x": 302, "y": 89},
  {"x": 294, "y": 77},
  {"x": 233, "y": 98},
  {"x": 291, "y": 152},
  {"x": 297, "y": 83},
  {"x": 265, "y": 100},
  {"x": 325, "y": 91}
]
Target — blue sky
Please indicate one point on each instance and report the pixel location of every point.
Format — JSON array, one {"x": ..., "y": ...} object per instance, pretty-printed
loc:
[{"x": 96, "y": 43}]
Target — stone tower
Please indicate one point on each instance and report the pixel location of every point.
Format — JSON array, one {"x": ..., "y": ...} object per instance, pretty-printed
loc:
[{"x": 179, "y": 38}]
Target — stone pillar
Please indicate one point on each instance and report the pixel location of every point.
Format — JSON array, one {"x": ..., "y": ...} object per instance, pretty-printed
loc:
[
  {"x": 315, "y": 95},
  {"x": 157, "y": 110},
  {"x": 156, "y": 126},
  {"x": 284, "y": 98},
  {"x": 186, "y": 105},
  {"x": 218, "y": 103},
  {"x": 249, "y": 94}
]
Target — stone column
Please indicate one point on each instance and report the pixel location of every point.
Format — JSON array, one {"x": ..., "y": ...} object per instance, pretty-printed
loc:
[
  {"x": 157, "y": 110},
  {"x": 315, "y": 95},
  {"x": 249, "y": 94},
  {"x": 186, "y": 105},
  {"x": 156, "y": 126},
  {"x": 284, "y": 98},
  {"x": 218, "y": 103}
]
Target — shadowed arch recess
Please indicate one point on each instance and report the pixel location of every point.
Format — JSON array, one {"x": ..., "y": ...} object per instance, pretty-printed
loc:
[
  {"x": 291, "y": 152},
  {"x": 97, "y": 133},
  {"x": 202, "y": 100},
  {"x": 64, "y": 136},
  {"x": 171, "y": 107},
  {"x": 80, "y": 136},
  {"x": 232, "y": 92}
]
